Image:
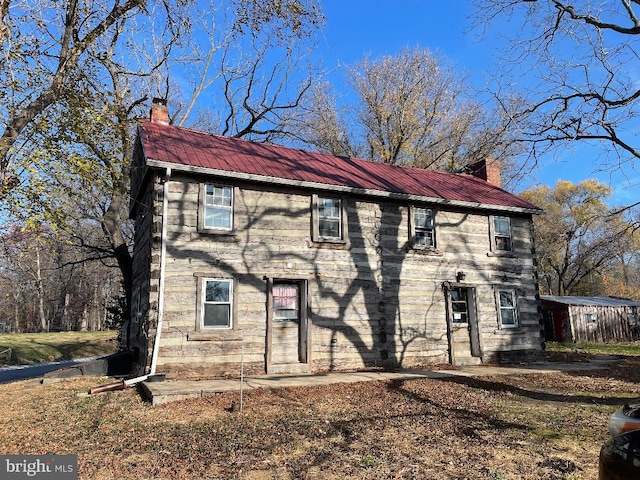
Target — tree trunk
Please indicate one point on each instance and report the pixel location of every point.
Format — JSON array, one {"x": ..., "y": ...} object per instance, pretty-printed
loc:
[
  {"x": 83, "y": 322},
  {"x": 17, "y": 314},
  {"x": 65, "y": 324},
  {"x": 112, "y": 228},
  {"x": 95, "y": 311},
  {"x": 43, "y": 319}
]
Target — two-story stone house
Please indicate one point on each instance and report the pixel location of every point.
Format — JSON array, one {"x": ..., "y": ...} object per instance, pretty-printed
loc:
[{"x": 284, "y": 260}]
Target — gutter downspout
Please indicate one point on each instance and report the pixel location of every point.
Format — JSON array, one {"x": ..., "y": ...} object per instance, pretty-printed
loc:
[{"x": 163, "y": 252}]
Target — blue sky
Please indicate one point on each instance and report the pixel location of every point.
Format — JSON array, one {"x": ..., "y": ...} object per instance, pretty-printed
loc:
[
  {"x": 376, "y": 27},
  {"x": 357, "y": 27}
]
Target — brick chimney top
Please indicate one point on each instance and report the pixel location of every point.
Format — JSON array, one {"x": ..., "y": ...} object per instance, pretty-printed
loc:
[
  {"x": 487, "y": 170},
  {"x": 159, "y": 111}
]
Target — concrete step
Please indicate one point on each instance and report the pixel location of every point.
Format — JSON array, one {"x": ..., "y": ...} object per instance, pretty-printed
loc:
[
  {"x": 465, "y": 360},
  {"x": 278, "y": 368}
]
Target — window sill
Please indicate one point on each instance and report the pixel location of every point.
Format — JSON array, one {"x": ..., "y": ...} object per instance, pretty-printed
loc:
[
  {"x": 507, "y": 330},
  {"x": 431, "y": 251},
  {"x": 220, "y": 236},
  {"x": 335, "y": 244},
  {"x": 217, "y": 336},
  {"x": 216, "y": 231}
]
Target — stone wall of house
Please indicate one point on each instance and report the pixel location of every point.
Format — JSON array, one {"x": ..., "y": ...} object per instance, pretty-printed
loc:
[
  {"x": 372, "y": 302},
  {"x": 139, "y": 332}
]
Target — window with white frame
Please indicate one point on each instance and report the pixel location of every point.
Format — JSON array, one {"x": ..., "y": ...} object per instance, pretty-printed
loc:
[
  {"x": 502, "y": 234},
  {"x": 330, "y": 221},
  {"x": 217, "y": 303},
  {"x": 217, "y": 210},
  {"x": 590, "y": 318},
  {"x": 423, "y": 230},
  {"x": 507, "y": 311}
]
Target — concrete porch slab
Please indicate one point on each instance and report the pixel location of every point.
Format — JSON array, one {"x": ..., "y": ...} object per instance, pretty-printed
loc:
[{"x": 159, "y": 393}]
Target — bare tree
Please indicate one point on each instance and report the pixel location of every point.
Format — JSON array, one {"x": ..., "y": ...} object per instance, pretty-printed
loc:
[
  {"x": 263, "y": 106},
  {"x": 279, "y": 19},
  {"x": 622, "y": 277},
  {"x": 47, "y": 282},
  {"x": 413, "y": 110},
  {"x": 577, "y": 59},
  {"x": 249, "y": 85},
  {"x": 23, "y": 265},
  {"x": 326, "y": 125}
]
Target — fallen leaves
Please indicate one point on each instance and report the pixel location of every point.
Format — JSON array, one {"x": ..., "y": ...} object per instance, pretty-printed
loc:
[{"x": 536, "y": 426}]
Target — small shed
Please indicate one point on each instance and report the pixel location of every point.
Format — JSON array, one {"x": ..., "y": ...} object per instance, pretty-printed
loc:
[{"x": 590, "y": 319}]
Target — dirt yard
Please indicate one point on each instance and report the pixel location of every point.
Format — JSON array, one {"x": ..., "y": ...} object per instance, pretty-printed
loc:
[{"x": 539, "y": 426}]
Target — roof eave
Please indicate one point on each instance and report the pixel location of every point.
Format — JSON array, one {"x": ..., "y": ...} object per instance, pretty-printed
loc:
[{"x": 335, "y": 188}]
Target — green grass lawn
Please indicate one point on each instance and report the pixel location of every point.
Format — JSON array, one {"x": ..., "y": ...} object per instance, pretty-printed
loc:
[
  {"x": 28, "y": 348},
  {"x": 614, "y": 348}
]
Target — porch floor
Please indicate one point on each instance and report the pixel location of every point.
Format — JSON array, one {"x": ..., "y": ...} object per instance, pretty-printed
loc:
[{"x": 172, "y": 390}]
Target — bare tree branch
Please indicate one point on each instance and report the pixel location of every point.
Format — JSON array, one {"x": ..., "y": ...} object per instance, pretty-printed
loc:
[{"x": 577, "y": 57}]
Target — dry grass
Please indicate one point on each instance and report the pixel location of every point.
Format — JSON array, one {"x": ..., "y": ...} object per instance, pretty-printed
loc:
[{"x": 539, "y": 426}]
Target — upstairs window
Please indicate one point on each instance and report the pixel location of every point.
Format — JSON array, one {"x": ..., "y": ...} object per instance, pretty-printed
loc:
[
  {"x": 423, "y": 234},
  {"x": 507, "y": 311},
  {"x": 329, "y": 219},
  {"x": 502, "y": 234},
  {"x": 216, "y": 211}
]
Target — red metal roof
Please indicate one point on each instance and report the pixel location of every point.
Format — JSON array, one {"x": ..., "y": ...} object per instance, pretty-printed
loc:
[{"x": 191, "y": 148}]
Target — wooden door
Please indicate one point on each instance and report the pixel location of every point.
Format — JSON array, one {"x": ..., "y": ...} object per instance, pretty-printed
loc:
[
  {"x": 286, "y": 323},
  {"x": 474, "y": 327},
  {"x": 462, "y": 321}
]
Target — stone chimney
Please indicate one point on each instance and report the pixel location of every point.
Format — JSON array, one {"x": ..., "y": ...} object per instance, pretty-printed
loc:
[
  {"x": 487, "y": 170},
  {"x": 159, "y": 111}
]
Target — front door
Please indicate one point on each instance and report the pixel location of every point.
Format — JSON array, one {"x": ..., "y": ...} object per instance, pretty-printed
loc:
[
  {"x": 464, "y": 335},
  {"x": 288, "y": 327}
]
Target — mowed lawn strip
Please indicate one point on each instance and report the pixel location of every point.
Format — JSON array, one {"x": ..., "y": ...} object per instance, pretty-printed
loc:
[
  {"x": 533, "y": 426},
  {"x": 29, "y": 348},
  {"x": 613, "y": 348}
]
